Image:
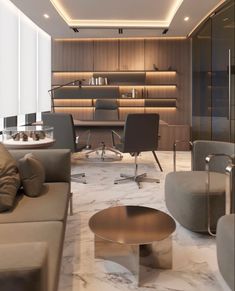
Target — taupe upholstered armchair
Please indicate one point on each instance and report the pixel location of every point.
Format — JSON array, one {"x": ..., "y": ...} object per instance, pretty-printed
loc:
[
  {"x": 225, "y": 234},
  {"x": 196, "y": 198}
]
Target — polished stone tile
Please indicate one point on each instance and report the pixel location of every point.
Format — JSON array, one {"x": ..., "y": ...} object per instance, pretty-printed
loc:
[{"x": 194, "y": 255}]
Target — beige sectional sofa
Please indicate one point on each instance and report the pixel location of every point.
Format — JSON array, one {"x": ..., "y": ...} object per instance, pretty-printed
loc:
[{"x": 32, "y": 234}]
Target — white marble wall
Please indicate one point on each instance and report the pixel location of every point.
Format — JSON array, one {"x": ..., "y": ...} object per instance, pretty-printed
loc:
[{"x": 194, "y": 255}]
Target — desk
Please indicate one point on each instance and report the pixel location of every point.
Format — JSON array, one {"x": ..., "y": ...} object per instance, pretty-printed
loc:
[{"x": 105, "y": 123}]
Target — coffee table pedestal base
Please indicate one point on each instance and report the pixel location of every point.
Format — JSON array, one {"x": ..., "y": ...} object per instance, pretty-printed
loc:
[{"x": 157, "y": 255}]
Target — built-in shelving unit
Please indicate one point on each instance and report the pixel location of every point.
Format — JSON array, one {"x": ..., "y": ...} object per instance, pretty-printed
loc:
[
  {"x": 152, "y": 89},
  {"x": 127, "y": 64}
]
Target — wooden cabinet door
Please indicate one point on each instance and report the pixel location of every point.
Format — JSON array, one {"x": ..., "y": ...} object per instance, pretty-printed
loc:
[
  {"x": 131, "y": 55},
  {"x": 73, "y": 56},
  {"x": 106, "y": 55}
]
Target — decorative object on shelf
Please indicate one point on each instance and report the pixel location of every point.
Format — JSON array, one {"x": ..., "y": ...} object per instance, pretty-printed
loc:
[
  {"x": 99, "y": 81},
  {"x": 155, "y": 67},
  {"x": 134, "y": 93},
  {"x": 28, "y": 136}
]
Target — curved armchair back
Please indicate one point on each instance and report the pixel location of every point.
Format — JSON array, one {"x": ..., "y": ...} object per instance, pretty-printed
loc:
[
  {"x": 202, "y": 148},
  {"x": 141, "y": 132}
]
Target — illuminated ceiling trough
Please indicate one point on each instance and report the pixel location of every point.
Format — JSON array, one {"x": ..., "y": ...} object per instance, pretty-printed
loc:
[{"x": 115, "y": 14}]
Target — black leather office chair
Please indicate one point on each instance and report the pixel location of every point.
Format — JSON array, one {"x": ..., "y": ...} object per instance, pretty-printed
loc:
[
  {"x": 140, "y": 135},
  {"x": 105, "y": 110},
  {"x": 64, "y": 135}
]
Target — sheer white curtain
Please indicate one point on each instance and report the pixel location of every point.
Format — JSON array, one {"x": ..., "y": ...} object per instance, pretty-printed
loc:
[
  {"x": 28, "y": 66},
  {"x": 25, "y": 64},
  {"x": 44, "y": 71},
  {"x": 9, "y": 59}
]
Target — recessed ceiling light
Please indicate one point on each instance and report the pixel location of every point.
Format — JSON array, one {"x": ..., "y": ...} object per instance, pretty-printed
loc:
[
  {"x": 186, "y": 18},
  {"x": 46, "y": 16}
]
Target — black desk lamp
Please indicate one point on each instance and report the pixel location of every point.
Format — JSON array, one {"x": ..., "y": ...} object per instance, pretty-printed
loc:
[{"x": 52, "y": 91}]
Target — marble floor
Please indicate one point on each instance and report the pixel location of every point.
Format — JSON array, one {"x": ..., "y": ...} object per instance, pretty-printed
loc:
[{"x": 194, "y": 255}]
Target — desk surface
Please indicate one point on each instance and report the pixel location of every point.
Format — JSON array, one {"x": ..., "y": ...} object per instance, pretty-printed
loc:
[{"x": 100, "y": 123}]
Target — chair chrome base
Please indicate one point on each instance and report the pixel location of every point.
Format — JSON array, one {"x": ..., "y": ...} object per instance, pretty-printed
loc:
[
  {"x": 103, "y": 148},
  {"x": 78, "y": 178},
  {"x": 138, "y": 179}
]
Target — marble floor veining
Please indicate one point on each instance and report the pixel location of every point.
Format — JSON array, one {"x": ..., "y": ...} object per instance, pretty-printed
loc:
[{"x": 194, "y": 255}]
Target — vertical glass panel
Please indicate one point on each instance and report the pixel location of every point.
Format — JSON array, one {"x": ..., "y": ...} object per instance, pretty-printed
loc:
[
  {"x": 8, "y": 59},
  {"x": 39, "y": 116},
  {"x": 223, "y": 74},
  {"x": 201, "y": 105},
  {"x": 44, "y": 71},
  {"x": 1, "y": 124},
  {"x": 28, "y": 66},
  {"x": 20, "y": 120}
]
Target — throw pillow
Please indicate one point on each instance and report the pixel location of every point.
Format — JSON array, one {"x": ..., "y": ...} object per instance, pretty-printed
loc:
[
  {"x": 32, "y": 175},
  {"x": 9, "y": 179}
]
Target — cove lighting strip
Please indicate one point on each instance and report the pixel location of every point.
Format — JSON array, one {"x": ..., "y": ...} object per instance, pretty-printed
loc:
[{"x": 92, "y": 23}]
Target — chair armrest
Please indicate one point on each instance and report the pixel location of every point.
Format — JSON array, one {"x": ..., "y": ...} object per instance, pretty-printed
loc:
[
  {"x": 174, "y": 150},
  {"x": 88, "y": 133},
  {"x": 208, "y": 160},
  {"x": 114, "y": 133},
  {"x": 23, "y": 266},
  {"x": 230, "y": 189}
]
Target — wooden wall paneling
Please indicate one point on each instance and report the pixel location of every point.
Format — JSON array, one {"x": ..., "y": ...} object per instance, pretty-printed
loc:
[
  {"x": 170, "y": 133},
  {"x": 73, "y": 55},
  {"x": 106, "y": 56},
  {"x": 79, "y": 113},
  {"x": 124, "y": 111},
  {"x": 60, "y": 78},
  {"x": 166, "y": 114},
  {"x": 73, "y": 102},
  {"x": 162, "y": 92},
  {"x": 126, "y": 91},
  {"x": 131, "y": 55},
  {"x": 131, "y": 102},
  {"x": 173, "y": 55},
  {"x": 163, "y": 78}
]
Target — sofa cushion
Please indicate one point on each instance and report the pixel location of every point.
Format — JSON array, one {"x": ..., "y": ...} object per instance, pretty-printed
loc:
[
  {"x": 50, "y": 232},
  {"x": 9, "y": 179},
  {"x": 23, "y": 266},
  {"x": 50, "y": 205},
  {"x": 32, "y": 174}
]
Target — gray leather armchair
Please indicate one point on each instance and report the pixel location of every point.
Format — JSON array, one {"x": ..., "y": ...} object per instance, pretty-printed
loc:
[
  {"x": 196, "y": 198},
  {"x": 64, "y": 135},
  {"x": 140, "y": 134}
]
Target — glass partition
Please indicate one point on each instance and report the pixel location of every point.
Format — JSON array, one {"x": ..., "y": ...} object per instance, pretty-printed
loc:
[{"x": 213, "y": 78}]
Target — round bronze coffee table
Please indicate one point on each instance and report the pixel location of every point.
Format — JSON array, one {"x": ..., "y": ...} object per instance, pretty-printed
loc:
[{"x": 133, "y": 236}]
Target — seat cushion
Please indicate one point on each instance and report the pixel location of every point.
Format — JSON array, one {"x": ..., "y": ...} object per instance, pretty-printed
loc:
[
  {"x": 186, "y": 199},
  {"x": 50, "y": 205},
  {"x": 225, "y": 243},
  {"x": 50, "y": 232},
  {"x": 23, "y": 266}
]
